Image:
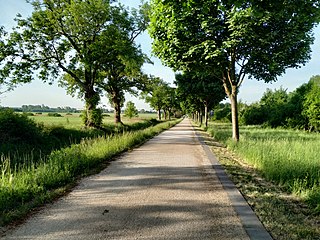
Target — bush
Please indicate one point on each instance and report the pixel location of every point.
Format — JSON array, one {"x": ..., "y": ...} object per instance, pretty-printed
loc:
[
  {"x": 54, "y": 115},
  {"x": 17, "y": 128}
]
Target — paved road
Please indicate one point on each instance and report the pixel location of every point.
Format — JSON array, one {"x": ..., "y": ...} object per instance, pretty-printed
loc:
[{"x": 165, "y": 189}]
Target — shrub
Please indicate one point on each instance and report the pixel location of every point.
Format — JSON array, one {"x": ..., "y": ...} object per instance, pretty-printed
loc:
[
  {"x": 54, "y": 115},
  {"x": 17, "y": 128}
]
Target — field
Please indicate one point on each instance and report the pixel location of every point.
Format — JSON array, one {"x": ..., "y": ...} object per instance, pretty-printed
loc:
[
  {"x": 45, "y": 161},
  {"x": 289, "y": 158},
  {"x": 73, "y": 120}
]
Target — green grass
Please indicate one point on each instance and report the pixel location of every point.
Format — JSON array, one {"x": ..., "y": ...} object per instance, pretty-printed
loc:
[
  {"x": 54, "y": 133},
  {"x": 288, "y": 158},
  {"x": 37, "y": 183},
  {"x": 74, "y": 120}
]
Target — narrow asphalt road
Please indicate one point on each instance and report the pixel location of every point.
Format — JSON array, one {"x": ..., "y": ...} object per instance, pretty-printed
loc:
[{"x": 165, "y": 189}]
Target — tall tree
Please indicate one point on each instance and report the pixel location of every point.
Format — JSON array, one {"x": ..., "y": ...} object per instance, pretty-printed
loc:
[
  {"x": 75, "y": 37},
  {"x": 258, "y": 39},
  {"x": 123, "y": 75}
]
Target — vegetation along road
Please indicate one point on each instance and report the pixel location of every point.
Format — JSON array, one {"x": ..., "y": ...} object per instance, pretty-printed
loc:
[{"x": 165, "y": 189}]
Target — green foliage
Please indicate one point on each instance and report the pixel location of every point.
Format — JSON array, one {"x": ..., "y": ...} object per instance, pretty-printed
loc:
[
  {"x": 18, "y": 128},
  {"x": 95, "y": 116},
  {"x": 299, "y": 109},
  {"x": 62, "y": 167},
  {"x": 199, "y": 89},
  {"x": 311, "y": 105},
  {"x": 222, "y": 112},
  {"x": 289, "y": 158},
  {"x": 90, "y": 42},
  {"x": 245, "y": 38},
  {"x": 54, "y": 115},
  {"x": 131, "y": 110},
  {"x": 159, "y": 95}
]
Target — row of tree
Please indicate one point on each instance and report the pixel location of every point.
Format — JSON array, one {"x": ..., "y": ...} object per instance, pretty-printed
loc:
[
  {"x": 224, "y": 41},
  {"x": 89, "y": 46}
]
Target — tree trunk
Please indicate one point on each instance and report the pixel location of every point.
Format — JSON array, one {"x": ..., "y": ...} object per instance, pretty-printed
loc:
[
  {"x": 91, "y": 100},
  {"x": 230, "y": 85},
  {"x": 159, "y": 114},
  {"x": 206, "y": 114},
  {"x": 116, "y": 100},
  {"x": 165, "y": 114},
  {"x": 234, "y": 114}
]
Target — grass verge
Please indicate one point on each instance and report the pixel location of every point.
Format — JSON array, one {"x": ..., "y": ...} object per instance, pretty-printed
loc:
[
  {"x": 35, "y": 184},
  {"x": 284, "y": 214}
]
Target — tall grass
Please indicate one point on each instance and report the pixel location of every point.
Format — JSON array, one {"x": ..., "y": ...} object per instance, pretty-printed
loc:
[
  {"x": 34, "y": 181},
  {"x": 289, "y": 158}
]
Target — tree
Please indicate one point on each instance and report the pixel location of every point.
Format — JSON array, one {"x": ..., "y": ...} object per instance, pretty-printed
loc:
[
  {"x": 258, "y": 39},
  {"x": 131, "y": 110},
  {"x": 156, "y": 93},
  {"x": 311, "y": 104},
  {"x": 200, "y": 84},
  {"x": 124, "y": 75},
  {"x": 76, "y": 37}
]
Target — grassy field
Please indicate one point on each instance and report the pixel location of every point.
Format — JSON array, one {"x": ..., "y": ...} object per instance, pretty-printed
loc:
[
  {"x": 289, "y": 158},
  {"x": 74, "y": 120},
  {"x": 39, "y": 180}
]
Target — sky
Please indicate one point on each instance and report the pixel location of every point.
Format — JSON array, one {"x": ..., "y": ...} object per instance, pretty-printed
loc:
[{"x": 37, "y": 93}]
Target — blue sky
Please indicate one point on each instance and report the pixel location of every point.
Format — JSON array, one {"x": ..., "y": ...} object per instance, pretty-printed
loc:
[{"x": 39, "y": 93}]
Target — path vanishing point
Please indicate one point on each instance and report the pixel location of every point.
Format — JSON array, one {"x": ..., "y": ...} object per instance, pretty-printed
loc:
[{"x": 172, "y": 187}]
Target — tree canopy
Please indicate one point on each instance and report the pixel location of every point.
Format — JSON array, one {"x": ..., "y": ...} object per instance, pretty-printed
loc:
[
  {"x": 82, "y": 39},
  {"x": 200, "y": 87},
  {"x": 258, "y": 39}
]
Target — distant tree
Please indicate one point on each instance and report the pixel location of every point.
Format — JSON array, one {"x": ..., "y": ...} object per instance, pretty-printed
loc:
[
  {"x": 131, "y": 110},
  {"x": 156, "y": 93},
  {"x": 222, "y": 112},
  {"x": 258, "y": 39},
  {"x": 296, "y": 118},
  {"x": 311, "y": 105}
]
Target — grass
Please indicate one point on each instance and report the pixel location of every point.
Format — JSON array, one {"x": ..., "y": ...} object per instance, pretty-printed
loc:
[
  {"x": 54, "y": 133},
  {"x": 284, "y": 214},
  {"x": 74, "y": 120},
  {"x": 37, "y": 183},
  {"x": 288, "y": 158}
]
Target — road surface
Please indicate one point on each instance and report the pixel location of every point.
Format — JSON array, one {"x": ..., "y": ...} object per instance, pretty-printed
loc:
[{"x": 165, "y": 189}]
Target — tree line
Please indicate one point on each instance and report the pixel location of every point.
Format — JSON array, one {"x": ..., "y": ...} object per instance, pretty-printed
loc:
[
  {"x": 230, "y": 40},
  {"x": 299, "y": 109}
]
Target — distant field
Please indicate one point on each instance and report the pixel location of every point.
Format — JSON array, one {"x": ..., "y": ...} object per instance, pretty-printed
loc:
[{"x": 74, "y": 120}]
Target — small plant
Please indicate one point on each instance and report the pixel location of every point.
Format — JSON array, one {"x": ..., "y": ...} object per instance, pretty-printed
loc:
[{"x": 131, "y": 110}]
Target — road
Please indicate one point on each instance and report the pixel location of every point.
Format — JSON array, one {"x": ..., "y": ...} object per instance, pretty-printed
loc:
[{"x": 165, "y": 189}]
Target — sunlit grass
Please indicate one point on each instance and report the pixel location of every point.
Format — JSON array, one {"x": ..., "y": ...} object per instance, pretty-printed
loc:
[
  {"x": 35, "y": 181},
  {"x": 287, "y": 157}
]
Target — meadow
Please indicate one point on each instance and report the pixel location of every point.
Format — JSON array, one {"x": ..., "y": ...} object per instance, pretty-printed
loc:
[
  {"x": 32, "y": 180},
  {"x": 288, "y": 158}
]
